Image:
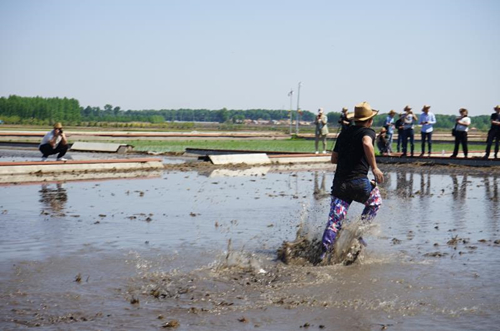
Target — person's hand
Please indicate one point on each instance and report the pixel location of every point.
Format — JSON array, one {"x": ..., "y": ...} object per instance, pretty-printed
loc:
[{"x": 379, "y": 176}]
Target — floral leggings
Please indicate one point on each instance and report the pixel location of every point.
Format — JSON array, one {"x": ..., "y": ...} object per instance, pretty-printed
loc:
[{"x": 338, "y": 211}]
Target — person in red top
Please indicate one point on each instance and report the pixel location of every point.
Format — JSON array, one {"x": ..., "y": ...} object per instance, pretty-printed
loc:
[{"x": 354, "y": 155}]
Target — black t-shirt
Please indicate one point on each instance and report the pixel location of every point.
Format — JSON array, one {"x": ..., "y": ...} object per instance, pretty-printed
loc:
[
  {"x": 352, "y": 162},
  {"x": 495, "y": 117},
  {"x": 399, "y": 123}
]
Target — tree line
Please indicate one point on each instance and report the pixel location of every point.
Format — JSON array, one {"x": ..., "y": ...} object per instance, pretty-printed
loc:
[{"x": 46, "y": 111}]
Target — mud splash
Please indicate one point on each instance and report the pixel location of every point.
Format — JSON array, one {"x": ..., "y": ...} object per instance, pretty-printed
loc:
[{"x": 307, "y": 247}]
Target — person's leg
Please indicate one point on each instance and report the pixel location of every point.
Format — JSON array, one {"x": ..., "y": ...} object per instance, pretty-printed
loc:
[
  {"x": 497, "y": 144},
  {"x": 316, "y": 142},
  {"x": 400, "y": 141},
  {"x": 412, "y": 140},
  {"x": 61, "y": 149},
  {"x": 389, "y": 142},
  {"x": 457, "y": 143},
  {"x": 372, "y": 205},
  {"x": 46, "y": 150},
  {"x": 429, "y": 142},
  {"x": 465, "y": 148},
  {"x": 338, "y": 210},
  {"x": 405, "y": 141},
  {"x": 489, "y": 142},
  {"x": 423, "y": 136},
  {"x": 324, "y": 142}
]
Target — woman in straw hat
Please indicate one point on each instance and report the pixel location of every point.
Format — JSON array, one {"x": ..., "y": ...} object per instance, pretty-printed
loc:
[{"x": 354, "y": 155}]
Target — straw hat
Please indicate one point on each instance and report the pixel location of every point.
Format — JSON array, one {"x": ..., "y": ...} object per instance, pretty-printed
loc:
[
  {"x": 407, "y": 107},
  {"x": 426, "y": 107},
  {"x": 383, "y": 130},
  {"x": 392, "y": 112},
  {"x": 320, "y": 110},
  {"x": 58, "y": 125},
  {"x": 345, "y": 110},
  {"x": 363, "y": 112},
  {"x": 497, "y": 107}
]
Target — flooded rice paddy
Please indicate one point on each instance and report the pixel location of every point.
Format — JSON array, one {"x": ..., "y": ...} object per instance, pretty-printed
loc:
[{"x": 197, "y": 250}]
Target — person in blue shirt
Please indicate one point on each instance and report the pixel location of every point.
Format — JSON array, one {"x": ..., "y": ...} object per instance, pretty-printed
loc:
[
  {"x": 389, "y": 126},
  {"x": 427, "y": 120}
]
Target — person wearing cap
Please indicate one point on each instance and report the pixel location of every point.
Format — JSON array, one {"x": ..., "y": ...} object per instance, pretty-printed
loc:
[
  {"x": 321, "y": 130},
  {"x": 389, "y": 126},
  {"x": 344, "y": 120},
  {"x": 493, "y": 133},
  {"x": 427, "y": 120},
  {"x": 354, "y": 155},
  {"x": 54, "y": 142},
  {"x": 461, "y": 127},
  {"x": 408, "y": 134}
]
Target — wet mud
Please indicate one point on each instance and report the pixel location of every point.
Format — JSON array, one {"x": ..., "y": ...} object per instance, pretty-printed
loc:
[{"x": 236, "y": 249}]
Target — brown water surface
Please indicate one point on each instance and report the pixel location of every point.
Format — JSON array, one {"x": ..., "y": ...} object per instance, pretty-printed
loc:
[{"x": 199, "y": 249}]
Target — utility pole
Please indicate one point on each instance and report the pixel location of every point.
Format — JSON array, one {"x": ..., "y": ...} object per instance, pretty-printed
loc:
[
  {"x": 298, "y": 110},
  {"x": 290, "y": 94}
]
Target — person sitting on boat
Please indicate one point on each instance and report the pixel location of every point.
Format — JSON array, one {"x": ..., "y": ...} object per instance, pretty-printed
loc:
[{"x": 54, "y": 142}]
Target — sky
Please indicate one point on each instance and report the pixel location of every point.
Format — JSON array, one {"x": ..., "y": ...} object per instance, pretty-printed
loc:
[{"x": 248, "y": 54}]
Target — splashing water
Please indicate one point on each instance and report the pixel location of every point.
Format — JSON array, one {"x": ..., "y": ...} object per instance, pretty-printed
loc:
[{"x": 307, "y": 247}]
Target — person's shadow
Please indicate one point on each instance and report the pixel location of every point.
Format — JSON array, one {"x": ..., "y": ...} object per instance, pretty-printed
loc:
[{"x": 53, "y": 199}]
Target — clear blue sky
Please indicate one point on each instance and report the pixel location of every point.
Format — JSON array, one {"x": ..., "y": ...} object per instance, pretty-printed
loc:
[{"x": 249, "y": 54}]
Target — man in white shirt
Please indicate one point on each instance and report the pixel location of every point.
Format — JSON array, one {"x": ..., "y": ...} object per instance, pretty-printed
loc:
[
  {"x": 427, "y": 120},
  {"x": 461, "y": 128},
  {"x": 54, "y": 142}
]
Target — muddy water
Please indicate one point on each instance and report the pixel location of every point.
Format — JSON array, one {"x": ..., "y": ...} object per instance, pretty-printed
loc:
[{"x": 197, "y": 251}]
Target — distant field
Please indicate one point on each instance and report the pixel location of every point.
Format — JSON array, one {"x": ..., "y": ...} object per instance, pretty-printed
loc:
[{"x": 290, "y": 145}]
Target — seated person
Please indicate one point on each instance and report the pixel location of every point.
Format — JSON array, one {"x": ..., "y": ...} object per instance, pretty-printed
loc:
[
  {"x": 54, "y": 142},
  {"x": 382, "y": 142}
]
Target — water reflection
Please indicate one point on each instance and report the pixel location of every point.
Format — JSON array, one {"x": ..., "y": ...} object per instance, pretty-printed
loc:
[
  {"x": 491, "y": 188},
  {"x": 404, "y": 184},
  {"x": 459, "y": 190},
  {"x": 425, "y": 184},
  {"x": 53, "y": 199},
  {"x": 320, "y": 191}
]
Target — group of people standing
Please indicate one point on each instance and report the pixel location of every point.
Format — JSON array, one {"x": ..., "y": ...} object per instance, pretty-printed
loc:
[{"x": 405, "y": 128}]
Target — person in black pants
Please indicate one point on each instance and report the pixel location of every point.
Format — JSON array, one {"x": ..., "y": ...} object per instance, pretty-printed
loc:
[
  {"x": 399, "y": 127},
  {"x": 461, "y": 127},
  {"x": 493, "y": 133},
  {"x": 408, "y": 133},
  {"x": 54, "y": 142}
]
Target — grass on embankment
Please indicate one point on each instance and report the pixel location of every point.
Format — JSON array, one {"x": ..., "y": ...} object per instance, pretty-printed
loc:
[{"x": 288, "y": 145}]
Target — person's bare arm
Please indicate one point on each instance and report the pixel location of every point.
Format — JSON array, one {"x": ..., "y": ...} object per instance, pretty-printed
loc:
[
  {"x": 52, "y": 141},
  {"x": 370, "y": 156},
  {"x": 335, "y": 158},
  {"x": 64, "y": 141}
]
